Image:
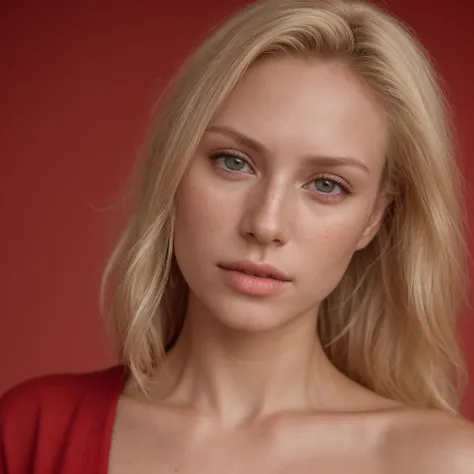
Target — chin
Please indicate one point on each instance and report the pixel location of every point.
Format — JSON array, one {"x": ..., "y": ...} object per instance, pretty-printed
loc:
[{"x": 243, "y": 313}]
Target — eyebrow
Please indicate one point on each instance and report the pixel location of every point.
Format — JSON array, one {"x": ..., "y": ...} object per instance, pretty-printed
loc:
[{"x": 254, "y": 145}]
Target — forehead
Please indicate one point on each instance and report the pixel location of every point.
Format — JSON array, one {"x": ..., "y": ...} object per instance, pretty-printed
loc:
[{"x": 301, "y": 106}]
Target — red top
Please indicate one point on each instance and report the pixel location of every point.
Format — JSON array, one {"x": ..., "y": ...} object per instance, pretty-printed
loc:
[{"x": 60, "y": 424}]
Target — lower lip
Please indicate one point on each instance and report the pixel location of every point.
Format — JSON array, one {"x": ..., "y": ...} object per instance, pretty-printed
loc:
[{"x": 251, "y": 284}]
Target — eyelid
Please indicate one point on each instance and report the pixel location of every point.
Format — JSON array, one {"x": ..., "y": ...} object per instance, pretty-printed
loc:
[
  {"x": 337, "y": 179},
  {"x": 229, "y": 152},
  {"x": 345, "y": 187}
]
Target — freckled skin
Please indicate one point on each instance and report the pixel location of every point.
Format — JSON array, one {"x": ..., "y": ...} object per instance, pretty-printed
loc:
[{"x": 296, "y": 109}]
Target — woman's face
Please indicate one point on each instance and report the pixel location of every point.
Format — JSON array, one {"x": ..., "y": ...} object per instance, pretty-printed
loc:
[{"x": 286, "y": 175}]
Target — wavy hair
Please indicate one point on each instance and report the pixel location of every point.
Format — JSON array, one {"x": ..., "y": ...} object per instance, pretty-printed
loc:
[{"x": 390, "y": 324}]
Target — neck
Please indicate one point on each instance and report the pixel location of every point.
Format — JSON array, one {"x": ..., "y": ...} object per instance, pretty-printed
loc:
[{"x": 242, "y": 375}]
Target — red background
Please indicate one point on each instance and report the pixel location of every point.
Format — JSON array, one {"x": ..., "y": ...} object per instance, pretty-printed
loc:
[{"x": 77, "y": 82}]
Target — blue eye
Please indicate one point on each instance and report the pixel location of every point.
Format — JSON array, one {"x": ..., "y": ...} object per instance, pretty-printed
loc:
[{"x": 231, "y": 162}]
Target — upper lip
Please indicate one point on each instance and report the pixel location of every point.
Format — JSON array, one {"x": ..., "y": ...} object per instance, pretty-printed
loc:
[{"x": 259, "y": 269}]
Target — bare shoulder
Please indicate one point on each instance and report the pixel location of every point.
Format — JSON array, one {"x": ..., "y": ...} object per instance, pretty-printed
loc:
[{"x": 430, "y": 442}]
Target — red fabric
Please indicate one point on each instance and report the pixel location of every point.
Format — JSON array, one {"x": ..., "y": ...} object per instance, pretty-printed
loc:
[{"x": 59, "y": 424}]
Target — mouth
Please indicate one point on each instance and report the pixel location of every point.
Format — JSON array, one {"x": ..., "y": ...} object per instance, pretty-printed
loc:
[{"x": 260, "y": 270}]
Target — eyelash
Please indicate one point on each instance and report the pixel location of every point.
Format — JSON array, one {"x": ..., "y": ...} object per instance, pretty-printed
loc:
[
  {"x": 345, "y": 188},
  {"x": 227, "y": 154}
]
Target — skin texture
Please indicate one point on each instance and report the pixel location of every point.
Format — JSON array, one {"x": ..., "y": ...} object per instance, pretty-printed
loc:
[{"x": 247, "y": 387}]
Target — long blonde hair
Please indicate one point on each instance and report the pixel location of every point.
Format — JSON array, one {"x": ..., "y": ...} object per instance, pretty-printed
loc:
[{"x": 390, "y": 324}]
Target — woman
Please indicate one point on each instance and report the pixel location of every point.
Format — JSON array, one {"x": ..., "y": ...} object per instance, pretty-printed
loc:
[{"x": 286, "y": 291}]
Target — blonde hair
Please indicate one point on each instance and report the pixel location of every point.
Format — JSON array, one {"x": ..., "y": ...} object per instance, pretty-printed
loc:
[{"x": 390, "y": 324}]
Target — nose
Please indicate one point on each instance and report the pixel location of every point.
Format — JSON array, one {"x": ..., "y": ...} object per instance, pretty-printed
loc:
[{"x": 267, "y": 215}]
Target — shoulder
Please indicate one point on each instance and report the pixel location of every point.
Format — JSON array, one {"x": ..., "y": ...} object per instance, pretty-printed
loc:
[
  {"x": 430, "y": 442},
  {"x": 56, "y": 392},
  {"x": 41, "y": 414}
]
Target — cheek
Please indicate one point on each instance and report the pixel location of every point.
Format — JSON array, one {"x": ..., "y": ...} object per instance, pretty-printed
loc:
[
  {"x": 201, "y": 217},
  {"x": 332, "y": 247},
  {"x": 328, "y": 250},
  {"x": 345, "y": 236},
  {"x": 336, "y": 232},
  {"x": 196, "y": 207}
]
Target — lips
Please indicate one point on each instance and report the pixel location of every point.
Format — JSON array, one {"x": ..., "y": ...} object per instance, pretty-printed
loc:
[{"x": 261, "y": 270}]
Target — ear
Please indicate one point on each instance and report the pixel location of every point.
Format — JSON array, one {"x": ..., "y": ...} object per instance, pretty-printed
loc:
[{"x": 374, "y": 223}]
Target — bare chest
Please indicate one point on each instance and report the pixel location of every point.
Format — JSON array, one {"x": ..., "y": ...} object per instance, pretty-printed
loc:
[
  {"x": 144, "y": 458},
  {"x": 166, "y": 447}
]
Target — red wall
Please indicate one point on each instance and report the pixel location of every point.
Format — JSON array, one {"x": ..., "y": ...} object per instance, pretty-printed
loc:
[{"x": 77, "y": 82}]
